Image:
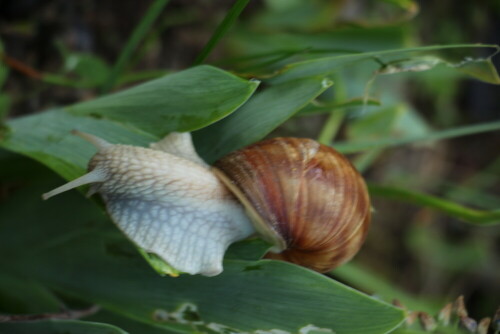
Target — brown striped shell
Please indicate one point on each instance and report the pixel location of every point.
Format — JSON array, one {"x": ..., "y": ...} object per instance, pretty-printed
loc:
[{"x": 304, "y": 197}]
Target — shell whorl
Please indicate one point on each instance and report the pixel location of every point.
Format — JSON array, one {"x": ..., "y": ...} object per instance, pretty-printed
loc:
[{"x": 314, "y": 202}]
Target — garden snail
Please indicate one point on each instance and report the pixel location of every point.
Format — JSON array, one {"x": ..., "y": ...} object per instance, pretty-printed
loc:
[{"x": 303, "y": 197}]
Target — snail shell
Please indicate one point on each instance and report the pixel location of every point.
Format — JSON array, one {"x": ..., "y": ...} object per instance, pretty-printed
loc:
[{"x": 305, "y": 198}]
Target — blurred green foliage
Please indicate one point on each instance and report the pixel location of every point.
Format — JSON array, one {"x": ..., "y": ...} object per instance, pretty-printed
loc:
[{"x": 275, "y": 68}]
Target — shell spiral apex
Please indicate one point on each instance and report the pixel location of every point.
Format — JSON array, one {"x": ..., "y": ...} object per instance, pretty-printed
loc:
[{"x": 304, "y": 197}]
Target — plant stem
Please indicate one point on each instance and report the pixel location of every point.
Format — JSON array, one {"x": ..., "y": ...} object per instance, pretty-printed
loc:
[
  {"x": 336, "y": 117},
  {"x": 480, "y": 217},
  {"x": 222, "y": 29},
  {"x": 137, "y": 36},
  {"x": 347, "y": 147},
  {"x": 331, "y": 127}
]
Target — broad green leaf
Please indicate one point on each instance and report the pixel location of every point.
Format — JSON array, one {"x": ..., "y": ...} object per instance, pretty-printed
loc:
[
  {"x": 257, "y": 118},
  {"x": 249, "y": 249},
  {"x": 124, "y": 116},
  {"x": 395, "y": 61},
  {"x": 480, "y": 217},
  {"x": 84, "y": 256},
  {"x": 53, "y": 144},
  {"x": 128, "y": 78},
  {"x": 184, "y": 101},
  {"x": 127, "y": 324},
  {"x": 59, "y": 327}
]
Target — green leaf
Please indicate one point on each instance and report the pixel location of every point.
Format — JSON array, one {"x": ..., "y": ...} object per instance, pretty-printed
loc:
[
  {"x": 323, "y": 108},
  {"x": 59, "y": 327},
  {"x": 84, "y": 256},
  {"x": 249, "y": 249},
  {"x": 257, "y": 118},
  {"x": 147, "y": 106},
  {"x": 159, "y": 265},
  {"x": 127, "y": 324},
  {"x": 394, "y": 61},
  {"x": 91, "y": 70},
  {"x": 480, "y": 217},
  {"x": 53, "y": 145},
  {"x": 184, "y": 101}
]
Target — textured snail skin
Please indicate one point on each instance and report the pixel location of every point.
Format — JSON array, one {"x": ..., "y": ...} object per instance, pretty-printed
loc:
[
  {"x": 307, "y": 194},
  {"x": 167, "y": 201}
]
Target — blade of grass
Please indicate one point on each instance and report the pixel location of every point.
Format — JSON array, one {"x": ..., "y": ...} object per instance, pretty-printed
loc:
[
  {"x": 331, "y": 126},
  {"x": 353, "y": 147},
  {"x": 337, "y": 115},
  {"x": 222, "y": 29},
  {"x": 480, "y": 217},
  {"x": 137, "y": 36}
]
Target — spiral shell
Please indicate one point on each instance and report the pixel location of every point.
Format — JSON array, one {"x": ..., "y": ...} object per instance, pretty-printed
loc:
[{"x": 304, "y": 197}]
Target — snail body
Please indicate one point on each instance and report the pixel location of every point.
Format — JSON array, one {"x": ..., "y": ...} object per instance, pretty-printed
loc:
[{"x": 303, "y": 197}]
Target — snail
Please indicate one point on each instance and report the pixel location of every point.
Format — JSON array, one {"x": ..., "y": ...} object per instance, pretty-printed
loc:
[{"x": 305, "y": 198}]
